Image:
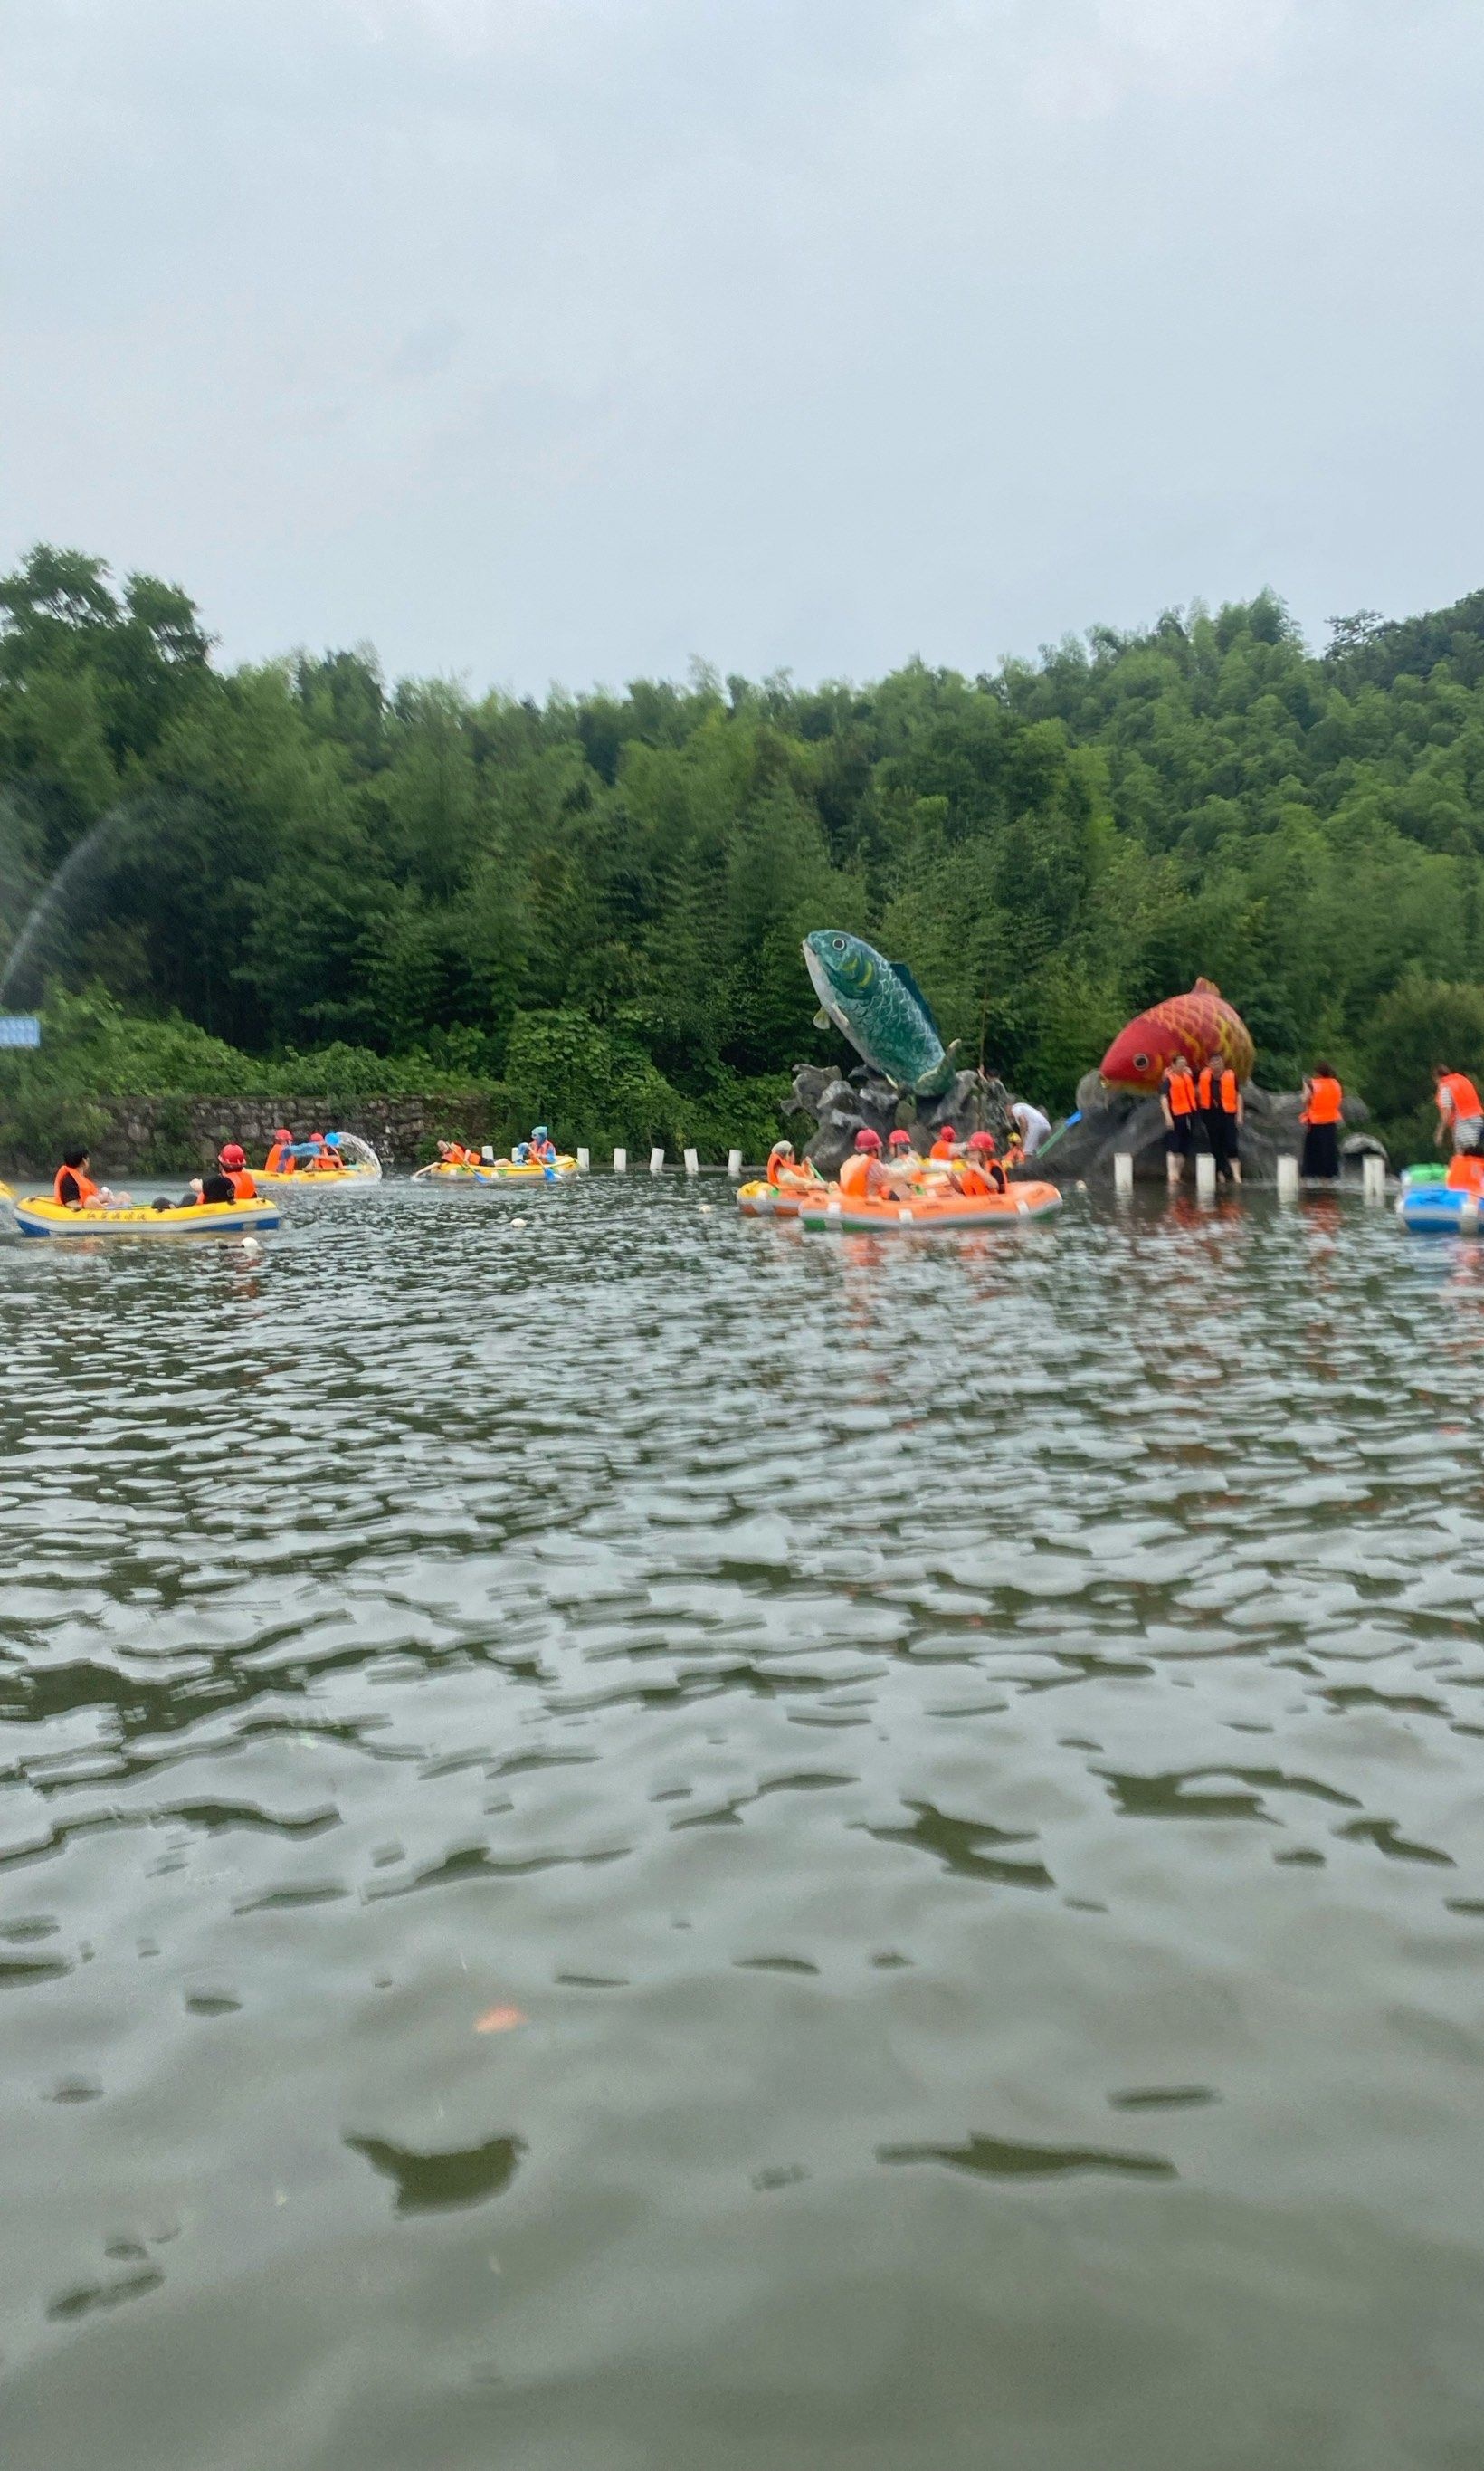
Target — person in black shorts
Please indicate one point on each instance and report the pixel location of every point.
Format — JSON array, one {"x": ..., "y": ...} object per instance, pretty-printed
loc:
[{"x": 1177, "y": 1104}]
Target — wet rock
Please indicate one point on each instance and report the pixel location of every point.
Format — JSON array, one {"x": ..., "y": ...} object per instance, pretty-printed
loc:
[
  {"x": 843, "y": 1105},
  {"x": 1114, "y": 1121}
]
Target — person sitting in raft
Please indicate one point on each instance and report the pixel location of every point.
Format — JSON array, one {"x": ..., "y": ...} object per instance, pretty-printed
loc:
[
  {"x": 1460, "y": 1110},
  {"x": 232, "y": 1159},
  {"x": 780, "y": 1162},
  {"x": 1220, "y": 1102},
  {"x": 981, "y": 1172},
  {"x": 280, "y": 1159},
  {"x": 1466, "y": 1173},
  {"x": 899, "y": 1148},
  {"x": 230, "y": 1182},
  {"x": 1321, "y": 1114},
  {"x": 1177, "y": 1106},
  {"x": 543, "y": 1149},
  {"x": 863, "y": 1177},
  {"x": 947, "y": 1144},
  {"x": 73, "y": 1189}
]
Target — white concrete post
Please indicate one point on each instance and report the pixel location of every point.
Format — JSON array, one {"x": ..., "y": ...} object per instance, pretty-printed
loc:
[
  {"x": 692, "y": 1164},
  {"x": 487, "y": 1154},
  {"x": 1122, "y": 1172},
  {"x": 584, "y": 1161},
  {"x": 621, "y": 1161},
  {"x": 1287, "y": 1178},
  {"x": 656, "y": 1161},
  {"x": 1373, "y": 1177},
  {"x": 734, "y": 1165},
  {"x": 1205, "y": 1175}
]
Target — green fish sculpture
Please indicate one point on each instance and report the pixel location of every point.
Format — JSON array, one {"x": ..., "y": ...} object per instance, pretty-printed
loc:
[{"x": 882, "y": 1010}]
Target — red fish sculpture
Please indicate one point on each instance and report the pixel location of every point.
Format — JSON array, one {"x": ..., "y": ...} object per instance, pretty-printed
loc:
[{"x": 1190, "y": 1026}]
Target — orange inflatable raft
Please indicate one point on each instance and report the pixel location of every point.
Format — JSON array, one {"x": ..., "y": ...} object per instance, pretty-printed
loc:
[{"x": 928, "y": 1213}]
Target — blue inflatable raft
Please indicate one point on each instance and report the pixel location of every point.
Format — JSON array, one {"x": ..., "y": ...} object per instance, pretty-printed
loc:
[{"x": 1431, "y": 1206}]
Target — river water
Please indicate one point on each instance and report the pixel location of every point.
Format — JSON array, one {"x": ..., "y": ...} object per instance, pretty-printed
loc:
[{"x": 966, "y": 1760}]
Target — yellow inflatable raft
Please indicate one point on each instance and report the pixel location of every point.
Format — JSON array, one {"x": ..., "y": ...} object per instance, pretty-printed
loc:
[
  {"x": 760, "y": 1200},
  {"x": 359, "y": 1168},
  {"x": 38, "y": 1215},
  {"x": 315, "y": 1179},
  {"x": 496, "y": 1171}
]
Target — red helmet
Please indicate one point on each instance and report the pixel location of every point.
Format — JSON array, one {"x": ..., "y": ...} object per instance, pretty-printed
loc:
[
  {"x": 868, "y": 1141},
  {"x": 283, "y": 1134},
  {"x": 946, "y": 1133},
  {"x": 234, "y": 1155},
  {"x": 982, "y": 1141},
  {"x": 900, "y": 1141}
]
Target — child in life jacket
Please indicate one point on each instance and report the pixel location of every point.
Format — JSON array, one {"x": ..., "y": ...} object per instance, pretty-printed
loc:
[{"x": 982, "y": 1172}]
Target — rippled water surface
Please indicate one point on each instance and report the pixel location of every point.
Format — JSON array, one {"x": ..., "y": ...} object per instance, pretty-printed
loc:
[{"x": 968, "y": 1760}]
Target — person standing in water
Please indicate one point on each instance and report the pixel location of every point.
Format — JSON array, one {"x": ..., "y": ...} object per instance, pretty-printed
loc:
[
  {"x": 1177, "y": 1106},
  {"x": 1321, "y": 1115},
  {"x": 1460, "y": 1110},
  {"x": 1034, "y": 1126},
  {"x": 1220, "y": 1102}
]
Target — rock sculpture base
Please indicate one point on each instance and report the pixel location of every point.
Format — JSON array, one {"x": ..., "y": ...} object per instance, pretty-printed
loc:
[
  {"x": 844, "y": 1104},
  {"x": 1112, "y": 1122}
]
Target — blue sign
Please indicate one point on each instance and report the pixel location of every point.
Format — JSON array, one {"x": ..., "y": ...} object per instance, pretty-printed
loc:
[{"x": 19, "y": 1029}]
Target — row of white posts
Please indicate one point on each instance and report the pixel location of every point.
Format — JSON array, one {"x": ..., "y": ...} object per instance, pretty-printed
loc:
[
  {"x": 692, "y": 1164},
  {"x": 1373, "y": 1176}
]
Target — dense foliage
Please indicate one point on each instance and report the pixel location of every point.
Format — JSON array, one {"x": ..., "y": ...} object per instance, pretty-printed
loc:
[{"x": 596, "y": 902}]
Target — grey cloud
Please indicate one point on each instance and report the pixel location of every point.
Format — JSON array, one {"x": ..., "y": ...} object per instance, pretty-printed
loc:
[{"x": 572, "y": 337}]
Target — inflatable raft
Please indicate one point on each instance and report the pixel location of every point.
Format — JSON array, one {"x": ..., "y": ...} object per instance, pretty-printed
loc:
[
  {"x": 1442, "y": 1201},
  {"x": 38, "y": 1215},
  {"x": 929, "y": 1214},
  {"x": 759, "y": 1200},
  {"x": 528, "y": 1172},
  {"x": 497, "y": 1171},
  {"x": 361, "y": 1167}
]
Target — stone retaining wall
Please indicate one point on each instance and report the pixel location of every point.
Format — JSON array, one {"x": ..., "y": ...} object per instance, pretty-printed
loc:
[{"x": 166, "y": 1136}]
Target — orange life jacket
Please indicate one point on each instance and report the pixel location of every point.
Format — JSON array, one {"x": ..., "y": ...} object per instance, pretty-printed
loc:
[
  {"x": 87, "y": 1190},
  {"x": 1325, "y": 1100},
  {"x": 1466, "y": 1174},
  {"x": 1217, "y": 1091},
  {"x": 941, "y": 1148},
  {"x": 241, "y": 1182},
  {"x": 1465, "y": 1100},
  {"x": 779, "y": 1165},
  {"x": 272, "y": 1165},
  {"x": 1181, "y": 1090},
  {"x": 856, "y": 1175}
]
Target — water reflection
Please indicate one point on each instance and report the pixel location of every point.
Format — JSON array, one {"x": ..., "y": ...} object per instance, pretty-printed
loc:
[{"x": 890, "y": 1718}]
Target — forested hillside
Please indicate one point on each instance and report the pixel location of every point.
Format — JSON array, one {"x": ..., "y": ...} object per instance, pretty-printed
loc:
[{"x": 604, "y": 893}]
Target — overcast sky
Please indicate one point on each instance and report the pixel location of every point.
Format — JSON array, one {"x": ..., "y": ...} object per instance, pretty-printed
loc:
[{"x": 566, "y": 339}]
